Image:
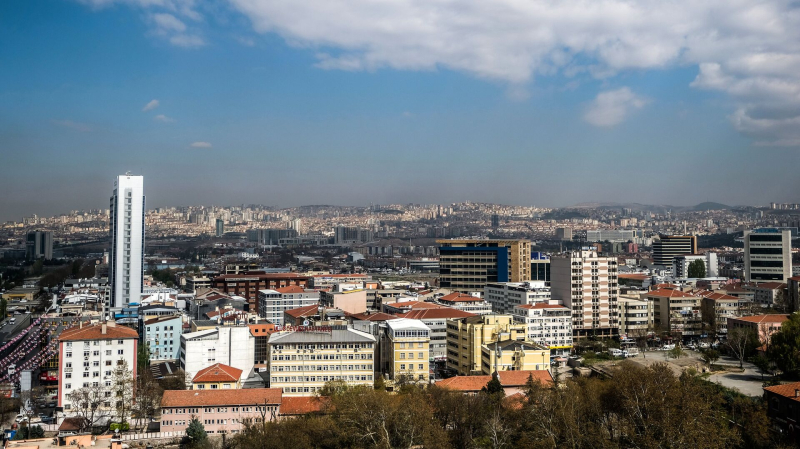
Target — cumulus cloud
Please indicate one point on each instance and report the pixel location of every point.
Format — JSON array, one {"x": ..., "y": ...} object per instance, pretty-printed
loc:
[
  {"x": 152, "y": 104},
  {"x": 200, "y": 145},
  {"x": 749, "y": 50},
  {"x": 610, "y": 108},
  {"x": 163, "y": 118},
  {"x": 77, "y": 126}
]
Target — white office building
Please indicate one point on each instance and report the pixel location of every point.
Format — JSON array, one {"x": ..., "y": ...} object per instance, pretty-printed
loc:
[
  {"x": 549, "y": 325},
  {"x": 767, "y": 255},
  {"x": 273, "y": 303},
  {"x": 680, "y": 264},
  {"x": 505, "y": 296},
  {"x": 127, "y": 241},
  {"x": 230, "y": 345}
]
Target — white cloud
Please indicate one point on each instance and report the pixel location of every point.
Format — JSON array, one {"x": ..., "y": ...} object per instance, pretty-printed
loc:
[
  {"x": 168, "y": 23},
  {"x": 77, "y": 126},
  {"x": 187, "y": 41},
  {"x": 152, "y": 104},
  {"x": 612, "y": 107},
  {"x": 163, "y": 118},
  {"x": 200, "y": 145}
]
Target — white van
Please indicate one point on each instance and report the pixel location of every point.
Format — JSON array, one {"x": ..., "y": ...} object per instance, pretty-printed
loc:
[{"x": 615, "y": 352}]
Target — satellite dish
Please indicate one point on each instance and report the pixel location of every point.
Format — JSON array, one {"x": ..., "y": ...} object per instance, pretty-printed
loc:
[{"x": 305, "y": 322}]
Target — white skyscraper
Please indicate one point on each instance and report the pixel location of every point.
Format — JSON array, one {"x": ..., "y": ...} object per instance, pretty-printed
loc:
[{"x": 127, "y": 241}]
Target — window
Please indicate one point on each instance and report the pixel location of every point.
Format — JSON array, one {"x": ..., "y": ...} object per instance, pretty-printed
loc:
[
  {"x": 69, "y": 354},
  {"x": 120, "y": 352},
  {"x": 402, "y": 366}
]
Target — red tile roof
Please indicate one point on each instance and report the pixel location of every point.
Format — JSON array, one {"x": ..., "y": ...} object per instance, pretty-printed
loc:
[
  {"x": 437, "y": 313},
  {"x": 303, "y": 311},
  {"x": 213, "y": 398},
  {"x": 374, "y": 316},
  {"x": 95, "y": 332},
  {"x": 459, "y": 297},
  {"x": 339, "y": 275},
  {"x": 786, "y": 390},
  {"x": 465, "y": 383},
  {"x": 301, "y": 405},
  {"x": 507, "y": 379},
  {"x": 771, "y": 285},
  {"x": 413, "y": 305},
  {"x": 225, "y": 277},
  {"x": 758, "y": 319},
  {"x": 218, "y": 373},
  {"x": 291, "y": 289}
]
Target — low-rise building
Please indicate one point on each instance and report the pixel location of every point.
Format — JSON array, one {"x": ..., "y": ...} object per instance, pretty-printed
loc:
[
  {"x": 717, "y": 308},
  {"x": 768, "y": 294},
  {"x": 301, "y": 362},
  {"x": 764, "y": 326},
  {"x": 676, "y": 312},
  {"x": 783, "y": 408},
  {"x": 465, "y": 303},
  {"x": 513, "y": 382},
  {"x": 230, "y": 345},
  {"x": 162, "y": 335},
  {"x": 549, "y": 325},
  {"x": 504, "y": 296},
  {"x": 635, "y": 316},
  {"x": 405, "y": 350},
  {"x": 512, "y": 355},
  {"x": 350, "y": 301},
  {"x": 217, "y": 377},
  {"x": 220, "y": 411}
]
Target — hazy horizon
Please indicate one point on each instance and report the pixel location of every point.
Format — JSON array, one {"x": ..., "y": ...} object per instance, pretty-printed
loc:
[{"x": 290, "y": 103}]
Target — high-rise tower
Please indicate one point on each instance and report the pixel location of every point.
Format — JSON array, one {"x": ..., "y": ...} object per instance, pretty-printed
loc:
[{"x": 127, "y": 241}]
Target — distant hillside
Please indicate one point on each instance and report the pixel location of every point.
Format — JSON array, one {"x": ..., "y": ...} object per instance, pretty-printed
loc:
[{"x": 709, "y": 205}]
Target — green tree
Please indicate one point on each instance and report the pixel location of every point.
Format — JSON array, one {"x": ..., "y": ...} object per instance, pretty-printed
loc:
[
  {"x": 709, "y": 356},
  {"x": 380, "y": 383},
  {"x": 493, "y": 386},
  {"x": 196, "y": 432},
  {"x": 676, "y": 352},
  {"x": 143, "y": 357},
  {"x": 36, "y": 432},
  {"x": 784, "y": 347},
  {"x": 697, "y": 269}
]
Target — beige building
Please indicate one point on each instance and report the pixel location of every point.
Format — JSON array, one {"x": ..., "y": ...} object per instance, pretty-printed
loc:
[
  {"x": 587, "y": 284},
  {"x": 467, "y": 265},
  {"x": 549, "y": 325},
  {"x": 300, "y": 362},
  {"x": 466, "y": 337},
  {"x": 512, "y": 355},
  {"x": 676, "y": 312},
  {"x": 406, "y": 350},
  {"x": 717, "y": 308},
  {"x": 350, "y": 301},
  {"x": 635, "y": 315}
]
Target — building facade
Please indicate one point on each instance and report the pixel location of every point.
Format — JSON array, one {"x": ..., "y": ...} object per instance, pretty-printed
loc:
[
  {"x": 229, "y": 345},
  {"x": 39, "y": 245},
  {"x": 587, "y": 284},
  {"x": 125, "y": 266},
  {"x": 273, "y": 303},
  {"x": 676, "y": 312},
  {"x": 635, "y": 316},
  {"x": 549, "y": 325},
  {"x": 767, "y": 255},
  {"x": 466, "y": 337},
  {"x": 162, "y": 335},
  {"x": 301, "y": 362},
  {"x": 680, "y": 264},
  {"x": 247, "y": 285},
  {"x": 667, "y": 247},
  {"x": 512, "y": 355},
  {"x": 405, "y": 351},
  {"x": 468, "y": 265},
  {"x": 217, "y": 377},
  {"x": 220, "y": 411},
  {"x": 505, "y": 296}
]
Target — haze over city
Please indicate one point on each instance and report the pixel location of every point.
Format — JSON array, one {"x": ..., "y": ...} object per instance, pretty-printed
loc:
[{"x": 288, "y": 103}]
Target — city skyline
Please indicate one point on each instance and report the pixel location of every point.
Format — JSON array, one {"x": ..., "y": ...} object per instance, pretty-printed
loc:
[{"x": 285, "y": 104}]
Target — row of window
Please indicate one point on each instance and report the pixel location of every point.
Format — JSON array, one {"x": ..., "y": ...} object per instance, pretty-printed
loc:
[
  {"x": 322, "y": 368},
  {"x": 93, "y": 343},
  {"x": 94, "y": 353},
  {"x": 325, "y": 346},
  {"x": 365, "y": 356},
  {"x": 354, "y": 378}
]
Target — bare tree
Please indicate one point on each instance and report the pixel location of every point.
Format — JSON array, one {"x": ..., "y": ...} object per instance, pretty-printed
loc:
[
  {"x": 498, "y": 430},
  {"x": 29, "y": 401},
  {"x": 87, "y": 403},
  {"x": 147, "y": 397},
  {"x": 122, "y": 387},
  {"x": 741, "y": 342}
]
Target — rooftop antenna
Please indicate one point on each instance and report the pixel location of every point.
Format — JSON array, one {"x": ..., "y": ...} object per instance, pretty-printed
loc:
[{"x": 128, "y": 173}]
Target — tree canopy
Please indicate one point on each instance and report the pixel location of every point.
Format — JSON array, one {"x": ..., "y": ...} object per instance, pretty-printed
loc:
[{"x": 697, "y": 269}]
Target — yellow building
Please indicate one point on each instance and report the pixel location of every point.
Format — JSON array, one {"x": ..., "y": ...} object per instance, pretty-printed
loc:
[
  {"x": 465, "y": 339},
  {"x": 405, "y": 350},
  {"x": 467, "y": 265},
  {"x": 301, "y": 362},
  {"x": 512, "y": 355},
  {"x": 217, "y": 377}
]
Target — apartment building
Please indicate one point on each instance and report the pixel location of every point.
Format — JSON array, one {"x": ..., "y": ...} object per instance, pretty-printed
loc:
[
  {"x": 505, "y": 296},
  {"x": 273, "y": 303},
  {"x": 329, "y": 281},
  {"x": 467, "y": 265},
  {"x": 769, "y": 294},
  {"x": 635, "y": 316},
  {"x": 587, "y": 284},
  {"x": 680, "y": 264},
  {"x": 717, "y": 308},
  {"x": 229, "y": 345},
  {"x": 767, "y": 255},
  {"x": 667, "y": 247},
  {"x": 466, "y": 337},
  {"x": 162, "y": 335},
  {"x": 762, "y": 325},
  {"x": 88, "y": 354},
  {"x": 217, "y": 377},
  {"x": 512, "y": 355},
  {"x": 350, "y": 301},
  {"x": 405, "y": 350},
  {"x": 465, "y": 303},
  {"x": 220, "y": 411},
  {"x": 549, "y": 325},
  {"x": 247, "y": 285},
  {"x": 676, "y": 312},
  {"x": 436, "y": 320},
  {"x": 301, "y": 362}
]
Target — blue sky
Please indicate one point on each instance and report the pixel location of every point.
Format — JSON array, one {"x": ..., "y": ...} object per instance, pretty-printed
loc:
[{"x": 286, "y": 104}]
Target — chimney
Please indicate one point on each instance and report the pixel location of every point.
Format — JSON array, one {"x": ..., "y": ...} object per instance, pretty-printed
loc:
[
  {"x": 797, "y": 393},
  {"x": 104, "y": 328}
]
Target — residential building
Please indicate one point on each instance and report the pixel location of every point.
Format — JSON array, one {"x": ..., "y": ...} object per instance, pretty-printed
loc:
[
  {"x": 194, "y": 283},
  {"x": 351, "y": 235},
  {"x": 610, "y": 235},
  {"x": 465, "y": 337},
  {"x": 247, "y": 285},
  {"x": 676, "y": 312},
  {"x": 329, "y": 281},
  {"x": 270, "y": 236},
  {"x": 767, "y": 255},
  {"x": 229, "y": 345},
  {"x": 468, "y": 265},
  {"x": 762, "y": 325},
  {"x": 39, "y": 245},
  {"x": 273, "y": 303},
  {"x": 717, "y": 308},
  {"x": 635, "y": 316},
  {"x": 549, "y": 325},
  {"x": 261, "y": 333},
  {"x": 301, "y": 362},
  {"x": 465, "y": 303},
  {"x": 667, "y": 247},
  {"x": 126, "y": 267},
  {"x": 220, "y": 411},
  {"x": 436, "y": 320},
  {"x": 564, "y": 234},
  {"x": 782, "y": 409},
  {"x": 680, "y": 264},
  {"x": 505, "y": 296},
  {"x": 162, "y": 335},
  {"x": 405, "y": 351},
  {"x": 587, "y": 284},
  {"x": 88, "y": 354},
  {"x": 217, "y": 377},
  {"x": 512, "y": 355},
  {"x": 769, "y": 294}
]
